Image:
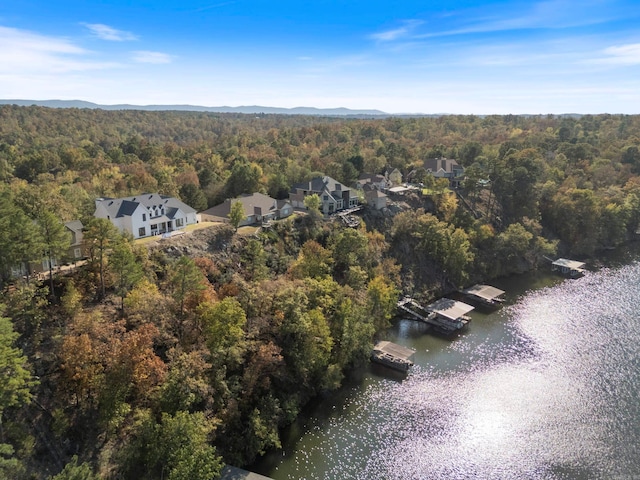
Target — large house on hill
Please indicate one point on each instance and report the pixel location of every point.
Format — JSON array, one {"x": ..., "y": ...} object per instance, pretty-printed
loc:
[
  {"x": 445, "y": 168},
  {"x": 333, "y": 195},
  {"x": 257, "y": 208},
  {"x": 147, "y": 214}
]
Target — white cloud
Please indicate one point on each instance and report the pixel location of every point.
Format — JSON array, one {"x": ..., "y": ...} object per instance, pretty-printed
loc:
[
  {"x": 548, "y": 14},
  {"x": 145, "y": 56},
  {"x": 620, "y": 55},
  {"x": 401, "y": 32},
  {"x": 105, "y": 32},
  {"x": 24, "y": 51}
]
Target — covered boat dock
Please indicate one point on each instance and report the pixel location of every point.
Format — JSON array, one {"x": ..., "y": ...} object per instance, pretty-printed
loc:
[
  {"x": 568, "y": 267},
  {"x": 485, "y": 295},
  {"x": 392, "y": 355},
  {"x": 451, "y": 315}
]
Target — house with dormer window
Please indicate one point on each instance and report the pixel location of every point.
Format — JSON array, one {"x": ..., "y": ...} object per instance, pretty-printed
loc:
[
  {"x": 334, "y": 196},
  {"x": 146, "y": 215}
]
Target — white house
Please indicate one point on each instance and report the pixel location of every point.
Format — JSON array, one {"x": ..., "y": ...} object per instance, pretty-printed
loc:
[{"x": 146, "y": 214}]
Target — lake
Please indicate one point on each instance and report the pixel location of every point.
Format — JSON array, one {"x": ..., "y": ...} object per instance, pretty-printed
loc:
[{"x": 545, "y": 388}]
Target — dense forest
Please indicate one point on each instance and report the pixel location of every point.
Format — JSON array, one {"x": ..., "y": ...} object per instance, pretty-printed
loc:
[{"x": 154, "y": 362}]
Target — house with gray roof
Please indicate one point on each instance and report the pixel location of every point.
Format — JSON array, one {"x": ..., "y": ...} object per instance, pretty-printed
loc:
[
  {"x": 258, "y": 208},
  {"x": 445, "y": 168},
  {"x": 334, "y": 196},
  {"x": 147, "y": 214}
]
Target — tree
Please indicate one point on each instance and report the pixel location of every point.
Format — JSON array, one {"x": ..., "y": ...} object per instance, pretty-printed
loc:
[
  {"x": 177, "y": 448},
  {"x": 223, "y": 325},
  {"x": 15, "y": 380},
  {"x": 193, "y": 196},
  {"x": 245, "y": 178},
  {"x": 236, "y": 214},
  {"x": 75, "y": 471},
  {"x": 313, "y": 261},
  {"x": 186, "y": 279},
  {"x": 101, "y": 234},
  {"x": 127, "y": 270},
  {"x": 382, "y": 298},
  {"x": 55, "y": 238},
  {"x": 254, "y": 260},
  {"x": 313, "y": 203},
  {"x": 26, "y": 240}
]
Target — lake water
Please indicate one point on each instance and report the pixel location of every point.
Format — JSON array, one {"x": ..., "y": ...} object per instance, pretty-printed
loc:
[{"x": 546, "y": 388}]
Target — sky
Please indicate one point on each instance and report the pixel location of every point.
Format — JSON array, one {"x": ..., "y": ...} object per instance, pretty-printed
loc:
[{"x": 461, "y": 57}]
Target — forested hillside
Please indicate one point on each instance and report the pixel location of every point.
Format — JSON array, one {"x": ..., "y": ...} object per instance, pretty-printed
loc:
[{"x": 166, "y": 362}]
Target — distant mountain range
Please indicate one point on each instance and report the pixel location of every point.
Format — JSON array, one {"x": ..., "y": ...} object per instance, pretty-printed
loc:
[{"x": 253, "y": 109}]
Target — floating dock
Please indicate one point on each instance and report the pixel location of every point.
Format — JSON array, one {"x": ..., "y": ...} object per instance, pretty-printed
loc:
[
  {"x": 484, "y": 295},
  {"x": 445, "y": 315},
  {"x": 393, "y": 355},
  {"x": 571, "y": 268}
]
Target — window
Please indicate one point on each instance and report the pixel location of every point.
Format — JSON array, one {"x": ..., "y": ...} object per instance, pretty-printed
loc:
[
  {"x": 179, "y": 222},
  {"x": 77, "y": 253},
  {"x": 144, "y": 217},
  {"x": 142, "y": 232}
]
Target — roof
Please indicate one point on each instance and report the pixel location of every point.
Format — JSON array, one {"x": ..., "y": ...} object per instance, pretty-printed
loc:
[
  {"x": 446, "y": 164},
  {"x": 74, "y": 225},
  {"x": 398, "y": 189},
  {"x": 250, "y": 202},
  {"x": 394, "y": 349},
  {"x": 563, "y": 262},
  {"x": 375, "y": 194},
  {"x": 484, "y": 291},
  {"x": 124, "y": 207},
  {"x": 320, "y": 184},
  {"x": 234, "y": 473},
  {"x": 448, "y": 308},
  {"x": 371, "y": 177}
]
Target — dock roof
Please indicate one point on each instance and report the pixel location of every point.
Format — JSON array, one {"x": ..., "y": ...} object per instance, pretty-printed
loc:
[
  {"x": 448, "y": 308},
  {"x": 484, "y": 291},
  {"x": 573, "y": 264},
  {"x": 394, "y": 349}
]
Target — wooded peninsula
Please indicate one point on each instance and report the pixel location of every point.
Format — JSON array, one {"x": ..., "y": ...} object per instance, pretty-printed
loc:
[{"x": 169, "y": 359}]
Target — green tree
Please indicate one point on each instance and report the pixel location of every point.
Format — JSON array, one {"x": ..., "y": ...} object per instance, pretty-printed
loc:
[
  {"x": 254, "y": 260},
  {"x": 127, "y": 270},
  {"x": 236, "y": 214},
  {"x": 245, "y": 178},
  {"x": 382, "y": 298},
  {"x": 101, "y": 235},
  {"x": 313, "y": 203},
  {"x": 75, "y": 471},
  {"x": 313, "y": 261},
  {"x": 223, "y": 325},
  {"x": 177, "y": 448},
  {"x": 16, "y": 380},
  {"x": 186, "y": 279},
  {"x": 193, "y": 196},
  {"x": 55, "y": 238},
  {"x": 20, "y": 238}
]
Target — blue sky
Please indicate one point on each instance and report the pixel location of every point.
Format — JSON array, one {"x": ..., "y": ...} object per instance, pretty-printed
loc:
[{"x": 469, "y": 57}]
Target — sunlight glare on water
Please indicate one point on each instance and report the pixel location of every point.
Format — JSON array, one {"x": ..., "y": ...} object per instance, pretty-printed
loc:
[{"x": 546, "y": 388}]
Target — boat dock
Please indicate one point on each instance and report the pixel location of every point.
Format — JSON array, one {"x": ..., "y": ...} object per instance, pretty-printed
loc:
[
  {"x": 565, "y": 266},
  {"x": 445, "y": 315},
  {"x": 393, "y": 355},
  {"x": 484, "y": 295}
]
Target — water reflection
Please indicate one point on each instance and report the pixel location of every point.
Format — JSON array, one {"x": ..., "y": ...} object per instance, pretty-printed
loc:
[{"x": 546, "y": 388}]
